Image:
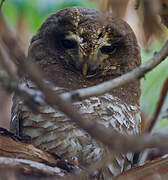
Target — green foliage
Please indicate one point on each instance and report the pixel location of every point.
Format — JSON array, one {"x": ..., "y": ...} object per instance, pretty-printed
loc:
[{"x": 35, "y": 11}]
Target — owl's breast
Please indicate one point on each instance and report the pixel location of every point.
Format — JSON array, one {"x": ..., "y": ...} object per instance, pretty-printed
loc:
[{"x": 53, "y": 131}]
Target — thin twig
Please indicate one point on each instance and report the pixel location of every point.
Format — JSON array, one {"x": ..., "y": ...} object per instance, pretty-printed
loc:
[
  {"x": 11, "y": 85},
  {"x": 6, "y": 62},
  {"x": 160, "y": 103}
]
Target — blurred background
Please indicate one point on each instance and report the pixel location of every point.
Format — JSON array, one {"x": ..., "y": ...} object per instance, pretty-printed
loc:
[{"x": 26, "y": 16}]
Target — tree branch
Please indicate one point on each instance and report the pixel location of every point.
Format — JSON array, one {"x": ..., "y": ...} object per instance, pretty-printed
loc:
[
  {"x": 152, "y": 170},
  {"x": 11, "y": 147},
  {"x": 15, "y": 153},
  {"x": 6, "y": 62},
  {"x": 160, "y": 103},
  {"x": 30, "y": 167},
  {"x": 29, "y": 97}
]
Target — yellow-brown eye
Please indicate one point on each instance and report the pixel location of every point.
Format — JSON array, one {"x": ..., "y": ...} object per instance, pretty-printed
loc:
[{"x": 68, "y": 44}]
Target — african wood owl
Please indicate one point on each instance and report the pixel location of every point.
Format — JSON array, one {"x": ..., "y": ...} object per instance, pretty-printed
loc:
[{"x": 77, "y": 48}]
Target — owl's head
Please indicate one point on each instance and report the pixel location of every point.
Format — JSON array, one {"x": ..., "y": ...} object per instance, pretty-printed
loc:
[{"x": 86, "y": 41}]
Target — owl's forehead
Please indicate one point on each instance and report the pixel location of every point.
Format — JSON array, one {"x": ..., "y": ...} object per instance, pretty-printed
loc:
[
  {"x": 82, "y": 20},
  {"x": 86, "y": 25}
]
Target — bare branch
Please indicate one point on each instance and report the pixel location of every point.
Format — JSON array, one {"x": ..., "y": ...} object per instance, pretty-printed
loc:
[
  {"x": 117, "y": 82},
  {"x": 153, "y": 170},
  {"x": 30, "y": 167},
  {"x": 159, "y": 106},
  {"x": 150, "y": 128},
  {"x": 6, "y": 62},
  {"x": 30, "y": 99},
  {"x": 12, "y": 147}
]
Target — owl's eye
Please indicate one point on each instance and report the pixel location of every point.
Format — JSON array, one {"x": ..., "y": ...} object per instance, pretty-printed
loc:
[
  {"x": 108, "y": 49},
  {"x": 69, "y": 44}
]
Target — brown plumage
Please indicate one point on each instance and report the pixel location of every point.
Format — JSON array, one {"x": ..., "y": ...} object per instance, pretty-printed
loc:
[{"x": 77, "y": 48}]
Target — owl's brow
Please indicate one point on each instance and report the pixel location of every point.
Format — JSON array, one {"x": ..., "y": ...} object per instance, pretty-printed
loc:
[{"x": 74, "y": 37}]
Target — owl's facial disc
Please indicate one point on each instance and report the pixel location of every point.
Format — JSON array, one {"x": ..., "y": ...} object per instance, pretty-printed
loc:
[{"x": 88, "y": 57}]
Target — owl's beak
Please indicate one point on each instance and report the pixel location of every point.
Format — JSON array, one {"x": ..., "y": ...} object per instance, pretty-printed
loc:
[{"x": 85, "y": 69}]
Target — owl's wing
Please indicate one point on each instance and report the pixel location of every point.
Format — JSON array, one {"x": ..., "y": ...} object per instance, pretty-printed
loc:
[{"x": 19, "y": 106}]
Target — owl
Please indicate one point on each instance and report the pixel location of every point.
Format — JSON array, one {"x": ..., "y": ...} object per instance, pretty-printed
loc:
[{"x": 78, "y": 48}]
